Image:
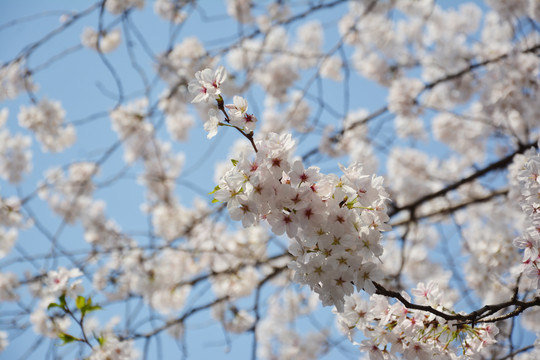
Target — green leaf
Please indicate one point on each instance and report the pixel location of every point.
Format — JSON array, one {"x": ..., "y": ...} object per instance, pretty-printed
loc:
[
  {"x": 234, "y": 162},
  {"x": 89, "y": 308},
  {"x": 53, "y": 305},
  {"x": 80, "y": 302},
  {"x": 101, "y": 340},
  {"x": 66, "y": 338},
  {"x": 214, "y": 201},
  {"x": 215, "y": 189},
  {"x": 62, "y": 299}
]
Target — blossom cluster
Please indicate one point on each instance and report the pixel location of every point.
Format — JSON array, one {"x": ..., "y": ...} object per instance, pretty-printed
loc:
[
  {"x": 162, "y": 165},
  {"x": 105, "y": 42},
  {"x": 11, "y": 219},
  {"x": 171, "y": 10},
  {"x": 15, "y": 158},
  {"x": 15, "y": 154},
  {"x": 354, "y": 142},
  {"x": 529, "y": 240},
  {"x": 60, "y": 287},
  {"x": 334, "y": 223},
  {"x": 115, "y": 349},
  {"x": 57, "y": 283},
  {"x": 208, "y": 86},
  {"x": 284, "y": 309},
  {"x": 14, "y": 79},
  {"x": 46, "y": 120},
  {"x": 393, "y": 329},
  {"x": 70, "y": 196}
]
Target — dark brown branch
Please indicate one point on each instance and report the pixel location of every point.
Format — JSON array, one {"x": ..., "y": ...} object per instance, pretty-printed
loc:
[
  {"x": 478, "y": 316},
  {"x": 477, "y": 65},
  {"x": 500, "y": 164},
  {"x": 452, "y": 209}
]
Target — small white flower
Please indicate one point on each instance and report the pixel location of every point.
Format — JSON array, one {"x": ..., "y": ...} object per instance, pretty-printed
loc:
[
  {"x": 57, "y": 282},
  {"x": 211, "y": 125},
  {"x": 238, "y": 108},
  {"x": 207, "y": 84}
]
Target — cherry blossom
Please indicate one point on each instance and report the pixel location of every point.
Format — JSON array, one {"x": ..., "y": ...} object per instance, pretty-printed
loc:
[
  {"x": 106, "y": 42},
  {"x": 46, "y": 120},
  {"x": 207, "y": 84},
  {"x": 14, "y": 79}
]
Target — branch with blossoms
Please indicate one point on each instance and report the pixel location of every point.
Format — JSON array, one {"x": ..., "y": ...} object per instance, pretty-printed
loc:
[
  {"x": 426, "y": 87},
  {"x": 207, "y": 86},
  {"x": 497, "y": 165},
  {"x": 334, "y": 223},
  {"x": 334, "y": 257},
  {"x": 481, "y": 315}
]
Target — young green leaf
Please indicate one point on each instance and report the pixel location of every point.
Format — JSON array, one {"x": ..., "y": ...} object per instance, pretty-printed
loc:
[
  {"x": 53, "y": 305},
  {"x": 80, "y": 302},
  {"x": 66, "y": 338},
  {"x": 101, "y": 340}
]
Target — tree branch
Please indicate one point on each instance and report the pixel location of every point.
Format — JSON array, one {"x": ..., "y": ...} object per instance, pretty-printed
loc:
[{"x": 500, "y": 164}]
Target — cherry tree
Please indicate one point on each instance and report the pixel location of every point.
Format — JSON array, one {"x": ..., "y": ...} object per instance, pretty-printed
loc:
[{"x": 313, "y": 179}]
